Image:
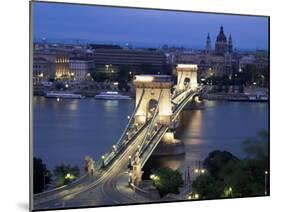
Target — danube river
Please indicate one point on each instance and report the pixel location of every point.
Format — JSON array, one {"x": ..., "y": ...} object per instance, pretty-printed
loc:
[{"x": 68, "y": 130}]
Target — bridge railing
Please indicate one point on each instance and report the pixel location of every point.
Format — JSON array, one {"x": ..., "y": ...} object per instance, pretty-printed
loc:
[
  {"x": 152, "y": 144},
  {"x": 182, "y": 104},
  {"x": 130, "y": 122},
  {"x": 108, "y": 156},
  {"x": 150, "y": 127},
  {"x": 161, "y": 130}
]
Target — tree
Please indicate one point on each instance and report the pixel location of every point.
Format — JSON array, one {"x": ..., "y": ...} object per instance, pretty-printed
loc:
[
  {"x": 167, "y": 180},
  {"x": 123, "y": 77},
  {"x": 122, "y": 85},
  {"x": 124, "y": 72},
  {"x": 60, "y": 86},
  {"x": 229, "y": 176},
  {"x": 208, "y": 187},
  {"x": 246, "y": 178},
  {"x": 65, "y": 174},
  {"x": 257, "y": 148},
  {"x": 99, "y": 76},
  {"x": 41, "y": 176},
  {"x": 216, "y": 160}
]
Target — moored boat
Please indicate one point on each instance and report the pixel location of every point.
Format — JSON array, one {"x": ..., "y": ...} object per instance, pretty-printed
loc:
[
  {"x": 63, "y": 95},
  {"x": 111, "y": 95}
]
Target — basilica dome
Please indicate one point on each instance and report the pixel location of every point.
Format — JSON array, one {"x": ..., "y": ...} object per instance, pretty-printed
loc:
[{"x": 221, "y": 37}]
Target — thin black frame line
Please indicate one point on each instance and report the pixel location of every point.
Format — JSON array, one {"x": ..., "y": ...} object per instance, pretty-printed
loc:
[
  {"x": 31, "y": 150},
  {"x": 129, "y": 7},
  {"x": 147, "y": 8}
]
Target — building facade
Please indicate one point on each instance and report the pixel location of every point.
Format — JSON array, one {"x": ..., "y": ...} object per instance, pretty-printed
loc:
[
  {"x": 118, "y": 57},
  {"x": 62, "y": 68},
  {"x": 43, "y": 70},
  {"x": 80, "y": 68}
]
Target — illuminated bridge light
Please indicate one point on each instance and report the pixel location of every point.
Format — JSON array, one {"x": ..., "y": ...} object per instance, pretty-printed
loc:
[
  {"x": 190, "y": 66},
  {"x": 152, "y": 78}
]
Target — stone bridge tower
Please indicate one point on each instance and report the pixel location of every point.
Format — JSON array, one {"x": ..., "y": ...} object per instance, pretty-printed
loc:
[
  {"x": 157, "y": 89},
  {"x": 187, "y": 76}
]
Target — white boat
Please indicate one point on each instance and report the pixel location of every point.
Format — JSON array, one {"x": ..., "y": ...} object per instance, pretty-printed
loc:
[
  {"x": 63, "y": 95},
  {"x": 111, "y": 95}
]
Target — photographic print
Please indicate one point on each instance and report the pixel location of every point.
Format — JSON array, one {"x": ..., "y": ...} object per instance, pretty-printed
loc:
[{"x": 138, "y": 105}]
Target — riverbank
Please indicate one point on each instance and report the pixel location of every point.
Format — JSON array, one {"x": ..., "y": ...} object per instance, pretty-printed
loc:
[
  {"x": 85, "y": 93},
  {"x": 235, "y": 97}
]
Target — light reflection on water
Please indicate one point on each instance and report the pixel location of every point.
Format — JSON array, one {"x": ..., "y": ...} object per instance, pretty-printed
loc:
[
  {"x": 220, "y": 125},
  {"x": 111, "y": 105}
]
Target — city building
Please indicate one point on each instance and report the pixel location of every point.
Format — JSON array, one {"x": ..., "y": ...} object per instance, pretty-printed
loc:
[
  {"x": 218, "y": 62},
  {"x": 208, "y": 44},
  {"x": 62, "y": 68},
  {"x": 114, "y": 58},
  {"x": 43, "y": 70},
  {"x": 80, "y": 68}
]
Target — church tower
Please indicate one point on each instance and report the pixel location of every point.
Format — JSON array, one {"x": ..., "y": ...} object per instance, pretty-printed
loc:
[
  {"x": 221, "y": 43},
  {"x": 208, "y": 44},
  {"x": 230, "y": 44}
]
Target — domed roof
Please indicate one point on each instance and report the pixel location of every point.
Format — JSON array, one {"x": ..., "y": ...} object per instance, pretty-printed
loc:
[{"x": 221, "y": 37}]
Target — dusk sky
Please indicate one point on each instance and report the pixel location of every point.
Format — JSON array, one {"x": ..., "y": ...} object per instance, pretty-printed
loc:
[{"x": 67, "y": 22}]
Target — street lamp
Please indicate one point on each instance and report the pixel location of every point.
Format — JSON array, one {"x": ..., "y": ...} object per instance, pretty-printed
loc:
[
  {"x": 152, "y": 176},
  {"x": 265, "y": 182},
  {"x": 130, "y": 178},
  {"x": 103, "y": 157},
  {"x": 67, "y": 176},
  {"x": 230, "y": 191},
  {"x": 114, "y": 148},
  {"x": 44, "y": 181}
]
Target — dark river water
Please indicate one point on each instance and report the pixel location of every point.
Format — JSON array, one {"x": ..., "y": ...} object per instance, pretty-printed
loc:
[{"x": 68, "y": 130}]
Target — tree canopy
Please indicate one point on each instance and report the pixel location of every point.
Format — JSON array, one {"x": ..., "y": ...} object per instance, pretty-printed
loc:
[
  {"x": 64, "y": 174},
  {"x": 42, "y": 177},
  {"x": 228, "y": 176},
  {"x": 167, "y": 180}
]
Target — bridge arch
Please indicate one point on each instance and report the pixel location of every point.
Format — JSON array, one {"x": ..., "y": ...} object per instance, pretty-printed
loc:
[
  {"x": 186, "y": 81},
  {"x": 187, "y": 76},
  {"x": 151, "y": 107},
  {"x": 154, "y": 90}
]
